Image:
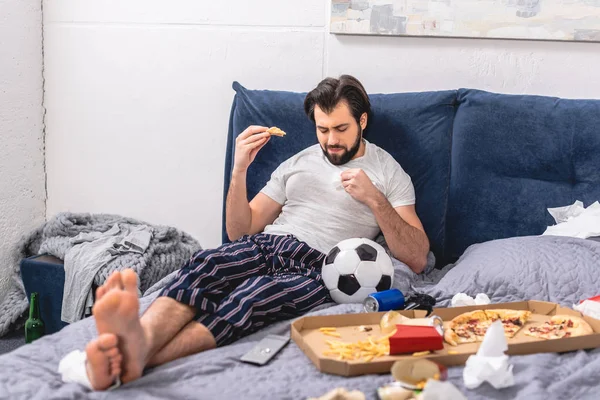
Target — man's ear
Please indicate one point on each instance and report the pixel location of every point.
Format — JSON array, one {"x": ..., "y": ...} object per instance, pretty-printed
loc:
[{"x": 363, "y": 121}]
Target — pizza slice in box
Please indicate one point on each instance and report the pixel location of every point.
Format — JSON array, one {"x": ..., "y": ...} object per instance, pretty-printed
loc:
[
  {"x": 560, "y": 326},
  {"x": 470, "y": 327}
]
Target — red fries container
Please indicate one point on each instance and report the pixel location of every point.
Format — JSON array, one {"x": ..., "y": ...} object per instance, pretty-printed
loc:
[{"x": 411, "y": 339}]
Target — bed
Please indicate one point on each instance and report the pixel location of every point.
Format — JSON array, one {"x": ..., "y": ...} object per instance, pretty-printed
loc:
[{"x": 485, "y": 167}]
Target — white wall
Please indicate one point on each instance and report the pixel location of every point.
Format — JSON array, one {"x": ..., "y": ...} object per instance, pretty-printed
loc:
[
  {"x": 22, "y": 188},
  {"x": 138, "y": 93}
]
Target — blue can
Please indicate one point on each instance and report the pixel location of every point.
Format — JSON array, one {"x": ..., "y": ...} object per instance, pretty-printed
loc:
[{"x": 386, "y": 300}]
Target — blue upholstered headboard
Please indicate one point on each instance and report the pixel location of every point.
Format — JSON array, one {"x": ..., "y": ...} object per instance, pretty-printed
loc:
[{"x": 485, "y": 166}]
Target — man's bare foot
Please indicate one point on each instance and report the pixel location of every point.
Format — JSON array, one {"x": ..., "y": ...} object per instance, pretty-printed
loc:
[
  {"x": 116, "y": 312},
  {"x": 103, "y": 361},
  {"x": 114, "y": 281}
]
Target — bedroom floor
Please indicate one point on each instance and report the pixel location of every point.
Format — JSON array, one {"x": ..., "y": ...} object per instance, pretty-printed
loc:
[{"x": 11, "y": 341}]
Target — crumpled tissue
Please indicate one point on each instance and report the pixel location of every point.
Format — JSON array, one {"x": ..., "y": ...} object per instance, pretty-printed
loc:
[
  {"x": 463, "y": 299},
  {"x": 490, "y": 363},
  {"x": 575, "y": 221},
  {"x": 438, "y": 390},
  {"x": 72, "y": 369},
  {"x": 589, "y": 307},
  {"x": 336, "y": 180}
]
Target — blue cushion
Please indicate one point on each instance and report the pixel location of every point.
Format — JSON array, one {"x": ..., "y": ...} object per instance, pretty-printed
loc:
[
  {"x": 512, "y": 158},
  {"x": 415, "y": 128},
  {"x": 46, "y": 276}
]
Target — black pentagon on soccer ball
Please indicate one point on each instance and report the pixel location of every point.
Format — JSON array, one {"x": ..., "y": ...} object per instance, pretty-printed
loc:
[
  {"x": 348, "y": 284},
  {"x": 366, "y": 252},
  {"x": 385, "y": 283},
  {"x": 332, "y": 255}
]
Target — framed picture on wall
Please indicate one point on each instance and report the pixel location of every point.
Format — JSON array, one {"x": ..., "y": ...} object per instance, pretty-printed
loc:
[{"x": 568, "y": 20}]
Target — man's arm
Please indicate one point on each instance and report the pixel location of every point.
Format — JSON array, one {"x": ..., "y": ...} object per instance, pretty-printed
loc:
[
  {"x": 243, "y": 217},
  {"x": 403, "y": 231},
  {"x": 401, "y": 227}
]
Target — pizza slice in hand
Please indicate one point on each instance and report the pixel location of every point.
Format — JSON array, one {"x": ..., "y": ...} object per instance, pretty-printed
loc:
[{"x": 275, "y": 131}]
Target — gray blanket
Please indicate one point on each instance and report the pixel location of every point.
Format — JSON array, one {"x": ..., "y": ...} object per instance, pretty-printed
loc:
[
  {"x": 562, "y": 270},
  {"x": 169, "y": 249}
]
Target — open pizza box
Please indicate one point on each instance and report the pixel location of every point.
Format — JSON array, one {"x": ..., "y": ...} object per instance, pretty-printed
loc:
[{"x": 306, "y": 334}]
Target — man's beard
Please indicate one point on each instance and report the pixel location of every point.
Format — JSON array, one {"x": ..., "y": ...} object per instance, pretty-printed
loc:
[{"x": 347, "y": 154}]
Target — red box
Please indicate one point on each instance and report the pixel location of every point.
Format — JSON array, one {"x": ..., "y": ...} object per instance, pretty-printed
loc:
[{"x": 410, "y": 339}]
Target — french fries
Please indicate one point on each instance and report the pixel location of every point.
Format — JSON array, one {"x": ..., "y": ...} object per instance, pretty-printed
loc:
[{"x": 366, "y": 350}]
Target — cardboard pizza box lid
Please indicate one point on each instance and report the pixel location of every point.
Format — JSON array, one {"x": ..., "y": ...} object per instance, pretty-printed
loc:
[{"x": 305, "y": 333}]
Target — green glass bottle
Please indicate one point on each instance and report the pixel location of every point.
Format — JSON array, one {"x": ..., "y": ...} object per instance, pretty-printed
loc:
[{"x": 34, "y": 326}]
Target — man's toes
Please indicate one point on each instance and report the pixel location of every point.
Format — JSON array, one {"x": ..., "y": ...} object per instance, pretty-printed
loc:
[
  {"x": 115, "y": 369},
  {"x": 100, "y": 292},
  {"x": 116, "y": 362},
  {"x": 112, "y": 352},
  {"x": 92, "y": 347},
  {"x": 114, "y": 281},
  {"x": 93, "y": 353},
  {"x": 104, "y": 309},
  {"x": 115, "y": 365},
  {"x": 117, "y": 359},
  {"x": 107, "y": 341},
  {"x": 129, "y": 278}
]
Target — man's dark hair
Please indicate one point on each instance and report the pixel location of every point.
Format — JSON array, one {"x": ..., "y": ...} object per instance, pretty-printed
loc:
[{"x": 330, "y": 91}]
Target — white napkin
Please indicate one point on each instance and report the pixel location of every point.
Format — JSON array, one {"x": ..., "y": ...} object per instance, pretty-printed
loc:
[
  {"x": 437, "y": 390},
  {"x": 575, "y": 221},
  {"x": 589, "y": 307},
  {"x": 463, "y": 299},
  {"x": 490, "y": 363},
  {"x": 336, "y": 180},
  {"x": 72, "y": 369}
]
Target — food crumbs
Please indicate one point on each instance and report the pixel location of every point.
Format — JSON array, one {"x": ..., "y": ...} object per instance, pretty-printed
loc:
[
  {"x": 452, "y": 352},
  {"x": 421, "y": 353}
]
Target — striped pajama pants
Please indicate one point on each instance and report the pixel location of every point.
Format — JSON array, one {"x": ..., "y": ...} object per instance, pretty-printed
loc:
[{"x": 241, "y": 287}]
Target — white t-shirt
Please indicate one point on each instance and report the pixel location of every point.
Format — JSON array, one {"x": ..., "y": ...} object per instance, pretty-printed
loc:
[{"x": 317, "y": 209}]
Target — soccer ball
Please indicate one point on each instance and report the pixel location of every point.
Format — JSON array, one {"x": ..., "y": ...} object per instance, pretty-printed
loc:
[{"x": 355, "y": 268}]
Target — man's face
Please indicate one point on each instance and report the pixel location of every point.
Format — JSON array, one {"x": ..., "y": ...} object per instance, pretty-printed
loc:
[{"x": 338, "y": 133}]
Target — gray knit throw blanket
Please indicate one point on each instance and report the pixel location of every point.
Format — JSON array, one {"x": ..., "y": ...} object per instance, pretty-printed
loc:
[{"x": 168, "y": 251}]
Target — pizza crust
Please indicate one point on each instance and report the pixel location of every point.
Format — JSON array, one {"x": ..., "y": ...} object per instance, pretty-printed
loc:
[
  {"x": 464, "y": 318},
  {"x": 275, "y": 131},
  {"x": 450, "y": 336},
  {"x": 516, "y": 317}
]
